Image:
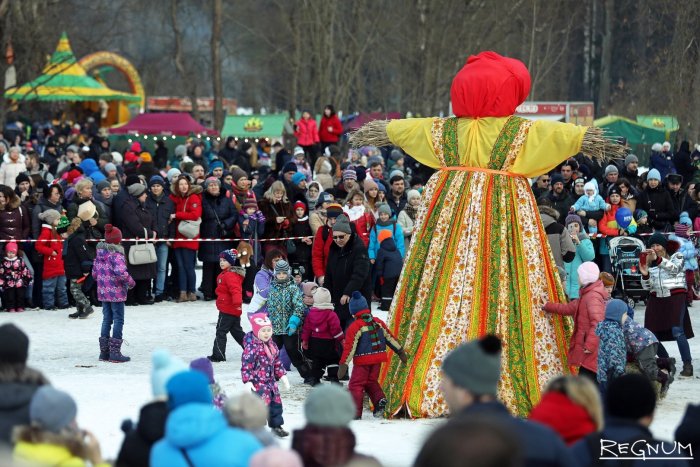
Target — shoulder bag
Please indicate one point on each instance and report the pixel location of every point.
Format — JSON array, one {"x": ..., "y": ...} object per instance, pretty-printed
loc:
[
  {"x": 142, "y": 253},
  {"x": 189, "y": 229}
]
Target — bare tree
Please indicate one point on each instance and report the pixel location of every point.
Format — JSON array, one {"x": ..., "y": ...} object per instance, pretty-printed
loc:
[{"x": 217, "y": 19}]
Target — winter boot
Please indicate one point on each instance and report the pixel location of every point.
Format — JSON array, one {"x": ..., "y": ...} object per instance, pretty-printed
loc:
[
  {"x": 687, "y": 369},
  {"x": 665, "y": 381},
  {"x": 191, "y": 297},
  {"x": 181, "y": 298},
  {"x": 216, "y": 359},
  {"x": 667, "y": 364},
  {"x": 104, "y": 349},
  {"x": 79, "y": 311},
  {"x": 379, "y": 409},
  {"x": 279, "y": 432},
  {"x": 87, "y": 312},
  {"x": 115, "y": 353}
]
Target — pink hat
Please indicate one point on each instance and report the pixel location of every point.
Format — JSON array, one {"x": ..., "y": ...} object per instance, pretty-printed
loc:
[
  {"x": 259, "y": 321},
  {"x": 12, "y": 246},
  {"x": 588, "y": 273}
]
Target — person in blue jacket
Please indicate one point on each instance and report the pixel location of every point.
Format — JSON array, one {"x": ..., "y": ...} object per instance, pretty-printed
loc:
[
  {"x": 584, "y": 252},
  {"x": 196, "y": 433},
  {"x": 385, "y": 222}
]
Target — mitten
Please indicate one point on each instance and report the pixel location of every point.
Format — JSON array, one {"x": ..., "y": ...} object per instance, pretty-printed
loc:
[
  {"x": 342, "y": 370},
  {"x": 285, "y": 383},
  {"x": 293, "y": 324},
  {"x": 249, "y": 386}
]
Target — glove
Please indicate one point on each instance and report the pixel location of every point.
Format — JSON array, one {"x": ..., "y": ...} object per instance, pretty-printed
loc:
[
  {"x": 403, "y": 356},
  {"x": 285, "y": 382},
  {"x": 249, "y": 386},
  {"x": 293, "y": 324},
  {"x": 342, "y": 370}
]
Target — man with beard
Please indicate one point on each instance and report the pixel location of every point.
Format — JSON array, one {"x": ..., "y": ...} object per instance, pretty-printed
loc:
[
  {"x": 397, "y": 196},
  {"x": 559, "y": 198},
  {"x": 630, "y": 172}
]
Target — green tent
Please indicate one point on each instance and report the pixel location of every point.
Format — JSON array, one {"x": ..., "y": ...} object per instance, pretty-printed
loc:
[
  {"x": 639, "y": 137},
  {"x": 666, "y": 123},
  {"x": 255, "y": 126}
]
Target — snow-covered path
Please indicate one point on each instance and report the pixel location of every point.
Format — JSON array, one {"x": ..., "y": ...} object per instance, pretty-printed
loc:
[{"x": 66, "y": 351}]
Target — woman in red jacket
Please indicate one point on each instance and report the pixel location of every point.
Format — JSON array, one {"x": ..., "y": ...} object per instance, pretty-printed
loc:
[
  {"x": 306, "y": 133},
  {"x": 587, "y": 310},
  {"x": 331, "y": 129},
  {"x": 50, "y": 245},
  {"x": 188, "y": 207}
]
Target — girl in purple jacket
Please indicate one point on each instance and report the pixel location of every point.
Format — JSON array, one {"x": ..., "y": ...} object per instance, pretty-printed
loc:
[{"x": 113, "y": 282}]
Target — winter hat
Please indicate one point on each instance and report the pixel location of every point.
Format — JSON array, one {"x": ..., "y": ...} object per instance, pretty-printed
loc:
[
  {"x": 381, "y": 187},
  {"x": 396, "y": 173},
  {"x": 342, "y": 224},
  {"x": 72, "y": 148},
  {"x": 112, "y": 234},
  {"x": 580, "y": 181},
  {"x": 615, "y": 309},
  {"x": 631, "y": 397},
  {"x": 156, "y": 180},
  {"x": 14, "y": 344},
  {"x": 180, "y": 151},
  {"x": 395, "y": 154},
  {"x": 23, "y": 177},
  {"x": 374, "y": 159},
  {"x": 412, "y": 194},
  {"x": 588, "y": 273},
  {"x": 639, "y": 214},
  {"x": 658, "y": 239},
  {"x": 246, "y": 410},
  {"x": 250, "y": 203},
  {"x": 383, "y": 235},
  {"x": 12, "y": 247},
  {"x": 87, "y": 211},
  {"x": 136, "y": 147},
  {"x": 73, "y": 176},
  {"x": 614, "y": 190},
  {"x": 282, "y": 266},
  {"x": 211, "y": 180},
  {"x": 368, "y": 184},
  {"x": 329, "y": 405},
  {"x": 117, "y": 158},
  {"x": 98, "y": 176},
  {"x": 103, "y": 184},
  {"x": 231, "y": 256},
  {"x": 475, "y": 365},
  {"x": 308, "y": 288},
  {"x": 216, "y": 164},
  {"x": 136, "y": 190},
  {"x": 289, "y": 167},
  {"x": 322, "y": 299},
  {"x": 299, "y": 204},
  {"x": 574, "y": 218},
  {"x": 298, "y": 150},
  {"x": 685, "y": 219},
  {"x": 334, "y": 210},
  {"x": 51, "y": 409},
  {"x": 611, "y": 169},
  {"x": 607, "y": 278},
  {"x": 357, "y": 303},
  {"x": 383, "y": 208},
  {"x": 203, "y": 365},
  {"x": 173, "y": 174},
  {"x": 590, "y": 186},
  {"x": 259, "y": 321},
  {"x": 63, "y": 225},
  {"x": 146, "y": 157},
  {"x": 324, "y": 197},
  {"x": 109, "y": 167},
  {"x": 557, "y": 178},
  {"x": 89, "y": 166},
  {"x": 297, "y": 178},
  {"x": 188, "y": 387},
  {"x": 164, "y": 366},
  {"x": 653, "y": 174},
  {"x": 681, "y": 230},
  {"x": 273, "y": 456},
  {"x": 50, "y": 216},
  {"x": 237, "y": 174},
  {"x": 349, "y": 174},
  {"x": 631, "y": 158}
]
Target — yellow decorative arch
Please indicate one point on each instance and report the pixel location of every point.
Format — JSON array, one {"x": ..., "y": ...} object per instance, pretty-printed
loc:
[{"x": 124, "y": 66}]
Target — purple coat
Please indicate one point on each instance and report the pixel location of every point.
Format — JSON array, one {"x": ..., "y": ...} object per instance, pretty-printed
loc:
[
  {"x": 261, "y": 289},
  {"x": 109, "y": 271},
  {"x": 259, "y": 369}
]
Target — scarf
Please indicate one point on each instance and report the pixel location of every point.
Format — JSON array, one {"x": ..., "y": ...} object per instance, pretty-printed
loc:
[
  {"x": 374, "y": 336},
  {"x": 269, "y": 351},
  {"x": 411, "y": 211}
]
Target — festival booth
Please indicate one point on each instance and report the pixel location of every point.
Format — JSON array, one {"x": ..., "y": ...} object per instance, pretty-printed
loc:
[
  {"x": 172, "y": 128},
  {"x": 640, "y": 134},
  {"x": 253, "y": 128}
]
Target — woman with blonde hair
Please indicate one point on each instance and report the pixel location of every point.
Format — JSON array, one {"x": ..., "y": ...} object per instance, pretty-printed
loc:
[
  {"x": 279, "y": 217},
  {"x": 570, "y": 406}
]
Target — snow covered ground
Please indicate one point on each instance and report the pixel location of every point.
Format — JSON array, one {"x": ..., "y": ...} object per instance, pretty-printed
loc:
[{"x": 66, "y": 351}]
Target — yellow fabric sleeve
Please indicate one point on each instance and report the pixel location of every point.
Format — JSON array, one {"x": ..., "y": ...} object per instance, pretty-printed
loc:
[
  {"x": 413, "y": 135},
  {"x": 548, "y": 144}
]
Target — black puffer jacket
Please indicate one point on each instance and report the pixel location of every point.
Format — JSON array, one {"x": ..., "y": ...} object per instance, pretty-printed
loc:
[
  {"x": 136, "y": 223},
  {"x": 347, "y": 270},
  {"x": 17, "y": 386},
  {"x": 77, "y": 257},
  {"x": 160, "y": 209},
  {"x": 219, "y": 216},
  {"x": 659, "y": 206},
  {"x": 138, "y": 441}
]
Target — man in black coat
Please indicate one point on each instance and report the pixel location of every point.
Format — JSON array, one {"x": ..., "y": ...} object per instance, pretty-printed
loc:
[
  {"x": 630, "y": 171},
  {"x": 681, "y": 200},
  {"x": 657, "y": 202},
  {"x": 348, "y": 269},
  {"x": 558, "y": 198}
]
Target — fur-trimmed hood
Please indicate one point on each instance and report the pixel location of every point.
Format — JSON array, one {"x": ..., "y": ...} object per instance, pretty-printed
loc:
[
  {"x": 109, "y": 248},
  {"x": 550, "y": 211},
  {"x": 319, "y": 166},
  {"x": 20, "y": 160},
  {"x": 194, "y": 189},
  {"x": 13, "y": 203}
]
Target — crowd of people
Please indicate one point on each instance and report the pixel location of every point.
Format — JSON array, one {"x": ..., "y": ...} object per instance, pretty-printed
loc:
[{"x": 309, "y": 238}]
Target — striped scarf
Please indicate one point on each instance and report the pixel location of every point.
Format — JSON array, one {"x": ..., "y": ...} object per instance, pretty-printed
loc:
[{"x": 373, "y": 331}]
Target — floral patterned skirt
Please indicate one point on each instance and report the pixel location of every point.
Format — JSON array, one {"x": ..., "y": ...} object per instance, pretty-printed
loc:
[{"x": 479, "y": 262}]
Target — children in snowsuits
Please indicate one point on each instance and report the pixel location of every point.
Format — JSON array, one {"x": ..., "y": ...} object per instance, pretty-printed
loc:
[
  {"x": 365, "y": 346},
  {"x": 387, "y": 267},
  {"x": 77, "y": 260},
  {"x": 50, "y": 245},
  {"x": 113, "y": 283},
  {"x": 14, "y": 279},
  {"x": 385, "y": 222},
  {"x": 590, "y": 206},
  {"x": 322, "y": 336},
  {"x": 261, "y": 368},
  {"x": 612, "y": 356},
  {"x": 285, "y": 307},
  {"x": 229, "y": 302}
]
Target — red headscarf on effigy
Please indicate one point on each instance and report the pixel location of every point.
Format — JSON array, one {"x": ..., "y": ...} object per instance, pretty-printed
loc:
[{"x": 489, "y": 85}]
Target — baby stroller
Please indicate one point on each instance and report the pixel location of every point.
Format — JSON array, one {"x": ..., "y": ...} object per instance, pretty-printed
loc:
[{"x": 624, "y": 257}]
